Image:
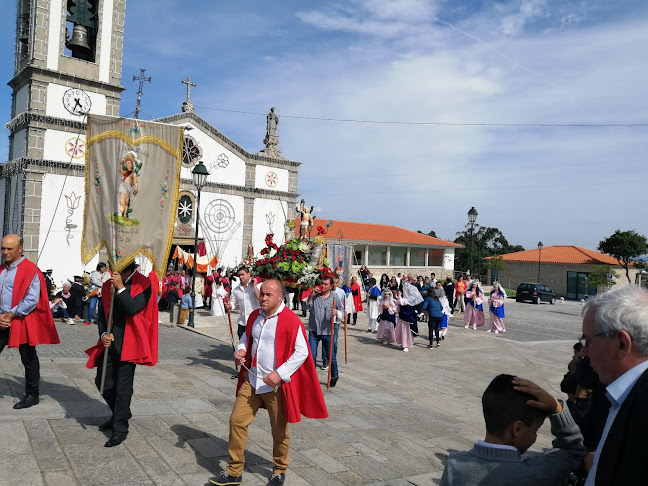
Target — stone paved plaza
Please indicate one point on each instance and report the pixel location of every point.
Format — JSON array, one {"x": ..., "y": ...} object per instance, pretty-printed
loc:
[{"x": 394, "y": 416}]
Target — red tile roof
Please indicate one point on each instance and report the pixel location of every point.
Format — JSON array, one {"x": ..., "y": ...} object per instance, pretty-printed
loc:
[
  {"x": 561, "y": 254},
  {"x": 376, "y": 232}
]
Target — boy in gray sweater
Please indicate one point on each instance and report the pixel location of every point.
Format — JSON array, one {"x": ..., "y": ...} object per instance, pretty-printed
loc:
[{"x": 514, "y": 409}]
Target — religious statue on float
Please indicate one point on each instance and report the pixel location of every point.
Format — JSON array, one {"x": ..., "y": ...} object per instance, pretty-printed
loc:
[{"x": 306, "y": 219}]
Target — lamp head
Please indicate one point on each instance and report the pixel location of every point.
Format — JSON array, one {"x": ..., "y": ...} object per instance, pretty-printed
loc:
[
  {"x": 540, "y": 245},
  {"x": 472, "y": 215},
  {"x": 199, "y": 174}
]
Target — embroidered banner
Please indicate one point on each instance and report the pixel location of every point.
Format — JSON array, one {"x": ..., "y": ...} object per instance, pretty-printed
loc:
[
  {"x": 132, "y": 177},
  {"x": 339, "y": 257}
]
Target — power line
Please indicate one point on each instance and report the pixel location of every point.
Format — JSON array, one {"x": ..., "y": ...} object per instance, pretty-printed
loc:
[{"x": 433, "y": 123}]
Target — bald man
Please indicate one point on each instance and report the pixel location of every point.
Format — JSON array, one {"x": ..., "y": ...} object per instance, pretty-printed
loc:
[
  {"x": 281, "y": 378},
  {"x": 25, "y": 317}
]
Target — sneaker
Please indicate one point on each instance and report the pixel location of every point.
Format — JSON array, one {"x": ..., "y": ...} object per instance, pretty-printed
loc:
[
  {"x": 430, "y": 346},
  {"x": 277, "y": 479},
  {"x": 324, "y": 368},
  {"x": 466, "y": 326},
  {"x": 385, "y": 343},
  {"x": 405, "y": 350},
  {"x": 475, "y": 327},
  {"x": 70, "y": 322},
  {"x": 496, "y": 332},
  {"x": 87, "y": 323},
  {"x": 438, "y": 344},
  {"x": 489, "y": 331},
  {"x": 224, "y": 479},
  {"x": 375, "y": 332}
]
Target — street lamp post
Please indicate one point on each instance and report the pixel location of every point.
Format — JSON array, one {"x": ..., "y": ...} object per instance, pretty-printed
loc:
[
  {"x": 199, "y": 174},
  {"x": 472, "y": 217},
  {"x": 540, "y": 247}
]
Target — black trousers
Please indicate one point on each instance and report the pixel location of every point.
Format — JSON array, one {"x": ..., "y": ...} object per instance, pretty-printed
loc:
[
  {"x": 118, "y": 389},
  {"x": 29, "y": 360},
  {"x": 240, "y": 331},
  {"x": 433, "y": 326},
  {"x": 355, "y": 317}
]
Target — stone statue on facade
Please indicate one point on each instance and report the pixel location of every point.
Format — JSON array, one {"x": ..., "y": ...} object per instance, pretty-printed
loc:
[{"x": 271, "y": 141}]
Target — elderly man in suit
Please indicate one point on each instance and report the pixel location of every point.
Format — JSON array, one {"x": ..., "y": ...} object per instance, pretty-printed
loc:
[{"x": 615, "y": 337}]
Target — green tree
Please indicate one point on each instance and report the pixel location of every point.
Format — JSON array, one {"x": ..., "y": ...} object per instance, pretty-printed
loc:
[
  {"x": 431, "y": 233},
  {"x": 624, "y": 245},
  {"x": 485, "y": 242},
  {"x": 599, "y": 276}
]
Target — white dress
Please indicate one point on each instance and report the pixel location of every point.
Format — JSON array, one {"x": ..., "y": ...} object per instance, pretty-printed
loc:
[{"x": 217, "y": 307}]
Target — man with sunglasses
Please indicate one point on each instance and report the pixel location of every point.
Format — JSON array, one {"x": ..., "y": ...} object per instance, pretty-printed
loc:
[{"x": 615, "y": 337}]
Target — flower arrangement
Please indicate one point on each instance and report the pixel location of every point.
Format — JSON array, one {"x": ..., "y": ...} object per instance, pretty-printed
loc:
[{"x": 289, "y": 263}]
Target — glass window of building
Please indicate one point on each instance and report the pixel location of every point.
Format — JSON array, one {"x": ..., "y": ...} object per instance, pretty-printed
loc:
[
  {"x": 397, "y": 256},
  {"x": 435, "y": 257},
  {"x": 377, "y": 255},
  {"x": 417, "y": 257}
]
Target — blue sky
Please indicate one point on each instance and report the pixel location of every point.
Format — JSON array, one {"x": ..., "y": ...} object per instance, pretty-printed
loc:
[{"x": 472, "y": 65}]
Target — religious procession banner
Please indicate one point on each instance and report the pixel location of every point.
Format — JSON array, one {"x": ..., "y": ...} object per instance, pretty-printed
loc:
[
  {"x": 132, "y": 178},
  {"x": 340, "y": 261}
]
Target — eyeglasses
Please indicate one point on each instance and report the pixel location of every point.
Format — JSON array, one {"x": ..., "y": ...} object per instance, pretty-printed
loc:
[{"x": 585, "y": 341}]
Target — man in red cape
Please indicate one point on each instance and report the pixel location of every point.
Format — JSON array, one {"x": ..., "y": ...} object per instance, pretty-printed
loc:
[
  {"x": 282, "y": 378},
  {"x": 25, "y": 317},
  {"x": 134, "y": 339}
]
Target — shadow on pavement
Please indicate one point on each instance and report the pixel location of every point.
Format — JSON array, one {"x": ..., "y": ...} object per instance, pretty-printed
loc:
[{"x": 207, "y": 446}]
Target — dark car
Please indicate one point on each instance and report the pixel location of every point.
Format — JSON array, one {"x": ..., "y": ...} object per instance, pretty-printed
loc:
[{"x": 535, "y": 292}]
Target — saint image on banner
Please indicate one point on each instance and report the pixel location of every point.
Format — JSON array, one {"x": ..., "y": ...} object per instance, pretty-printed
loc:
[
  {"x": 129, "y": 169},
  {"x": 132, "y": 181}
]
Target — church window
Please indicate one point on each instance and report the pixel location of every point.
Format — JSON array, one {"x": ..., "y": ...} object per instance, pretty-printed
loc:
[{"x": 191, "y": 152}]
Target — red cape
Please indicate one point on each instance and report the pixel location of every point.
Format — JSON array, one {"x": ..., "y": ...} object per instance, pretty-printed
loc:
[
  {"x": 302, "y": 395},
  {"x": 140, "y": 344},
  {"x": 37, "y": 327},
  {"x": 357, "y": 299}
]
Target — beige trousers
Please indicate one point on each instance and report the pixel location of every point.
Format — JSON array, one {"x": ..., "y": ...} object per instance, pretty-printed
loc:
[{"x": 245, "y": 408}]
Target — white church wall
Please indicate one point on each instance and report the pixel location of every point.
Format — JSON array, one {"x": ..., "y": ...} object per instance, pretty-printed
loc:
[
  {"x": 221, "y": 225},
  {"x": 19, "y": 145},
  {"x": 448, "y": 258},
  {"x": 54, "y": 35},
  {"x": 22, "y": 100},
  {"x": 224, "y": 166},
  {"x": 55, "y": 106},
  {"x": 268, "y": 217},
  {"x": 266, "y": 177},
  {"x": 61, "y": 250},
  {"x": 105, "y": 33},
  {"x": 63, "y": 146}
]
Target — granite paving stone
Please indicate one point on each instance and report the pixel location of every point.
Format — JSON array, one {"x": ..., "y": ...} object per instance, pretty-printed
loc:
[{"x": 387, "y": 425}]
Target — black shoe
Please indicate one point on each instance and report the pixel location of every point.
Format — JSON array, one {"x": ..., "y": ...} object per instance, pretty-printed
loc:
[
  {"x": 224, "y": 479},
  {"x": 107, "y": 425},
  {"x": 115, "y": 440},
  {"x": 333, "y": 383},
  {"x": 27, "y": 401},
  {"x": 277, "y": 479},
  {"x": 368, "y": 330},
  {"x": 442, "y": 337},
  {"x": 354, "y": 324}
]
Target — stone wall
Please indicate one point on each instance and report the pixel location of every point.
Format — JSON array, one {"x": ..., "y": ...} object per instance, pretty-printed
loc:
[{"x": 552, "y": 274}]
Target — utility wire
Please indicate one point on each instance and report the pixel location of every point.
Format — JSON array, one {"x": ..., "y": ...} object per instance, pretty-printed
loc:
[{"x": 436, "y": 123}]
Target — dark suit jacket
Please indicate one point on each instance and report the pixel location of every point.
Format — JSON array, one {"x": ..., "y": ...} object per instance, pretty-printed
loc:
[
  {"x": 124, "y": 304},
  {"x": 623, "y": 457},
  {"x": 75, "y": 304}
]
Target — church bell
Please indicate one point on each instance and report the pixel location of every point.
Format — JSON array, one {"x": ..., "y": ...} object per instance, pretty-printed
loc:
[{"x": 79, "y": 40}]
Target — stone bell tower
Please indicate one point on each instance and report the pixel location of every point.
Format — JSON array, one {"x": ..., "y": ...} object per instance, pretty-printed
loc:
[{"x": 68, "y": 62}]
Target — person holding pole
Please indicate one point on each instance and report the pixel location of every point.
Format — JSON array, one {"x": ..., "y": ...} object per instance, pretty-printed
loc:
[
  {"x": 128, "y": 339},
  {"x": 324, "y": 306},
  {"x": 25, "y": 317},
  {"x": 276, "y": 374}
]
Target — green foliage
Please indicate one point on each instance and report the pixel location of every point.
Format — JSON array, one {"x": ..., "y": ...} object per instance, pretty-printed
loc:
[
  {"x": 431, "y": 233},
  {"x": 496, "y": 263},
  {"x": 599, "y": 276},
  {"x": 624, "y": 245},
  {"x": 486, "y": 242}
]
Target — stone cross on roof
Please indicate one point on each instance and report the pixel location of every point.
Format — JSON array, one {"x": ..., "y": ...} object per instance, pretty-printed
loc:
[{"x": 187, "y": 105}]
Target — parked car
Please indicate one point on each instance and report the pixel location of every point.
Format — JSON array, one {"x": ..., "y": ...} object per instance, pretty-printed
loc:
[{"x": 535, "y": 292}]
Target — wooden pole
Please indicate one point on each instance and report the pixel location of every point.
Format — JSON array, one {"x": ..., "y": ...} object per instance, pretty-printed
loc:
[
  {"x": 109, "y": 326},
  {"x": 328, "y": 382},
  {"x": 345, "y": 337}
]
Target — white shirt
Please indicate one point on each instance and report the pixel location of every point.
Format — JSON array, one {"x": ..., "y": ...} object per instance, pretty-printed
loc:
[
  {"x": 617, "y": 392},
  {"x": 246, "y": 301},
  {"x": 263, "y": 349}
]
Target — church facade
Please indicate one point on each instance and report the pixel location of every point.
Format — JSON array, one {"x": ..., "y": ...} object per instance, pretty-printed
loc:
[{"x": 69, "y": 63}]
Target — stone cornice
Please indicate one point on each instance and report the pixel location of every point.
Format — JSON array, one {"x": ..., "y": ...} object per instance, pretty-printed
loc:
[
  {"x": 260, "y": 159},
  {"x": 33, "y": 72},
  {"x": 26, "y": 117}
]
